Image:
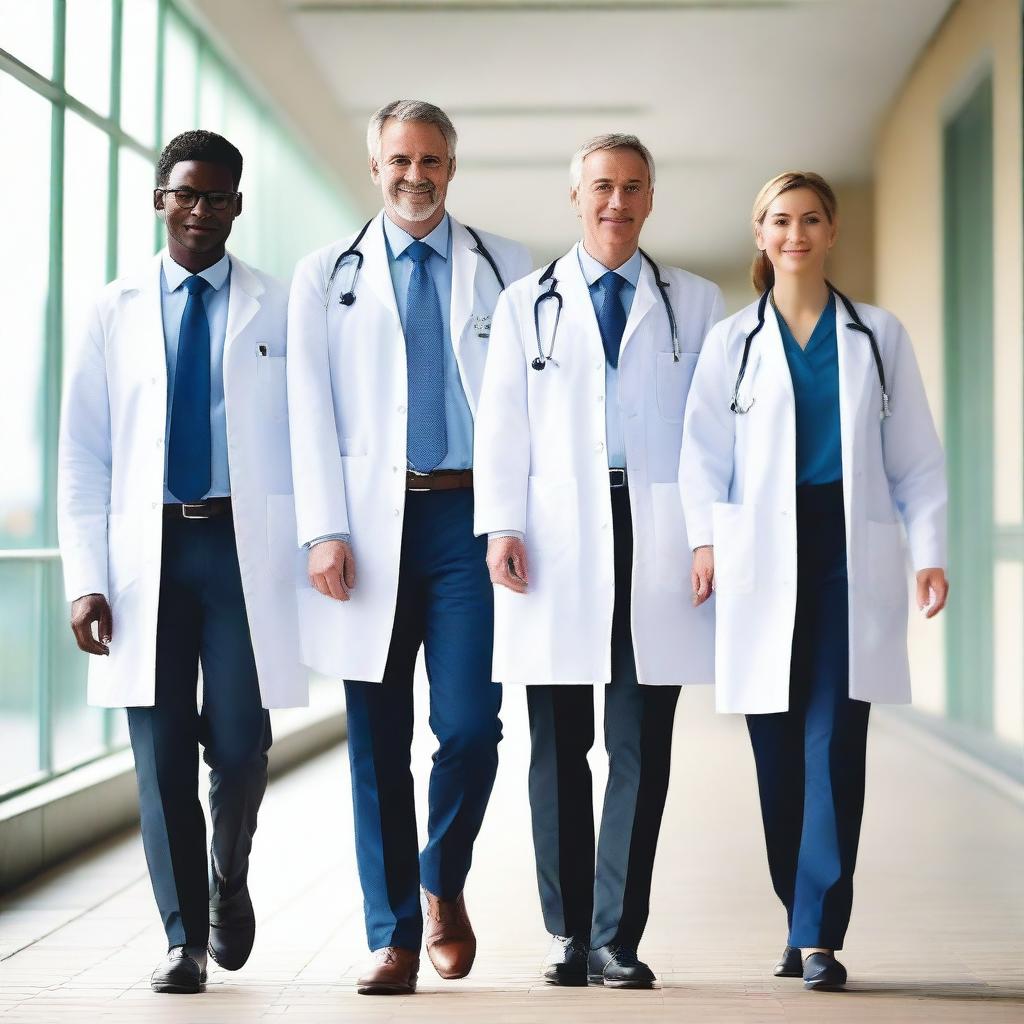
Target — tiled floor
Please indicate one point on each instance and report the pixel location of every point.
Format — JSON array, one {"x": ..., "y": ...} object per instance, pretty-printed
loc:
[{"x": 937, "y": 934}]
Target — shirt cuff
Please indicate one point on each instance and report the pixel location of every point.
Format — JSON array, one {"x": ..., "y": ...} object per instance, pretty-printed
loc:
[
  {"x": 346, "y": 537},
  {"x": 506, "y": 533}
]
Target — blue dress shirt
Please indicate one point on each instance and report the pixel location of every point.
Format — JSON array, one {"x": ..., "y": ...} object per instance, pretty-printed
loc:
[
  {"x": 815, "y": 373},
  {"x": 172, "y": 305},
  {"x": 458, "y": 418},
  {"x": 593, "y": 271}
]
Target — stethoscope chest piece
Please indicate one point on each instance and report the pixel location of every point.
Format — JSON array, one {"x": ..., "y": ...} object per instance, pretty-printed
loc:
[{"x": 538, "y": 363}]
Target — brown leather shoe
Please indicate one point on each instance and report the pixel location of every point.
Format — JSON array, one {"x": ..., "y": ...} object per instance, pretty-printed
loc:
[
  {"x": 448, "y": 936},
  {"x": 392, "y": 972}
]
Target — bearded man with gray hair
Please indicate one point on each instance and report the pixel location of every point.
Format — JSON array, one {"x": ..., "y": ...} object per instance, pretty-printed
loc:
[
  {"x": 388, "y": 333},
  {"x": 578, "y": 436}
]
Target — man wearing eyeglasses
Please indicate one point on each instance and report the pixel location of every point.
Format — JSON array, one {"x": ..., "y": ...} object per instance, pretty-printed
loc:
[{"x": 177, "y": 531}]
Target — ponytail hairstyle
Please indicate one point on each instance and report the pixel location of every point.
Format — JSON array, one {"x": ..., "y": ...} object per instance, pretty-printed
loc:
[{"x": 762, "y": 273}]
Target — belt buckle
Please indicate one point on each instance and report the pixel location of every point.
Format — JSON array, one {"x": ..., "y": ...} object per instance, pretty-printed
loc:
[
  {"x": 417, "y": 490},
  {"x": 617, "y": 477},
  {"x": 185, "y": 506}
]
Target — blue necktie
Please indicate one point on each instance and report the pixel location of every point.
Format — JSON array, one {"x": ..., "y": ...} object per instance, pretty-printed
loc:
[
  {"x": 188, "y": 448},
  {"x": 612, "y": 318},
  {"x": 427, "y": 429}
]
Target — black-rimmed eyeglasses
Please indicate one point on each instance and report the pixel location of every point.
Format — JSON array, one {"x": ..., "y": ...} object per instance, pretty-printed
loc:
[{"x": 188, "y": 198}]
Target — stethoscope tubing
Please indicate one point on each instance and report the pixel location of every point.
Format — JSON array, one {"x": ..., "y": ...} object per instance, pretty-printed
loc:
[
  {"x": 856, "y": 324},
  {"x": 347, "y": 298},
  {"x": 548, "y": 277}
]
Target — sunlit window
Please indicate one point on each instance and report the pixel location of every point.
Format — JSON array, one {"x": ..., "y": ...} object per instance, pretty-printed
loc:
[
  {"x": 28, "y": 33},
  {"x": 87, "y": 52}
]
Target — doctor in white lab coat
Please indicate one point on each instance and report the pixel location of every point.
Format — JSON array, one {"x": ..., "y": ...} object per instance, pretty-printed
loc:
[
  {"x": 808, "y": 449},
  {"x": 577, "y": 450},
  {"x": 175, "y": 518},
  {"x": 387, "y": 352}
]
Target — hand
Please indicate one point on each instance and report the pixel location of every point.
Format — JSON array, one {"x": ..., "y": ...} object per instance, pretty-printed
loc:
[
  {"x": 84, "y": 612},
  {"x": 506, "y": 562},
  {"x": 332, "y": 568},
  {"x": 702, "y": 575},
  {"x": 932, "y": 590}
]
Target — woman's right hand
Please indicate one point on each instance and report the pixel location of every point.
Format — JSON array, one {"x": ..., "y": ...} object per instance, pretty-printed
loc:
[{"x": 702, "y": 575}]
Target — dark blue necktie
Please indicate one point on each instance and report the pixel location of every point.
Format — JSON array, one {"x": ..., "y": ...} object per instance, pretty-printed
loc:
[
  {"x": 188, "y": 449},
  {"x": 612, "y": 318},
  {"x": 427, "y": 429}
]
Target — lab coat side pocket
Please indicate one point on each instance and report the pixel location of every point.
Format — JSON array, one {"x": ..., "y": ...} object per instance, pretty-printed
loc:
[
  {"x": 671, "y": 549},
  {"x": 886, "y": 569},
  {"x": 735, "y": 536},
  {"x": 287, "y": 561}
]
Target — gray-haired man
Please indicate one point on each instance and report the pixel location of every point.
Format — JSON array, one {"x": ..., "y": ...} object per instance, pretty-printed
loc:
[{"x": 387, "y": 342}]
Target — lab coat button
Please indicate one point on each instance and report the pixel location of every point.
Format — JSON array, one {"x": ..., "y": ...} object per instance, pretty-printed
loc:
[
  {"x": 599, "y": 447},
  {"x": 154, "y": 504},
  {"x": 401, "y": 408},
  {"x": 600, "y": 398},
  {"x": 397, "y": 513}
]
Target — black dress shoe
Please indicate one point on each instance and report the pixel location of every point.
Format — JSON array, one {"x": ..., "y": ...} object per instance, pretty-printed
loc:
[
  {"x": 181, "y": 971},
  {"x": 618, "y": 966},
  {"x": 567, "y": 961},
  {"x": 823, "y": 971},
  {"x": 791, "y": 965},
  {"x": 232, "y": 929}
]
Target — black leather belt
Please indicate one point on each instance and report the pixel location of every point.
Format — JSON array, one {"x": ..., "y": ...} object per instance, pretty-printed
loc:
[
  {"x": 208, "y": 509},
  {"x": 439, "y": 480},
  {"x": 617, "y": 478}
]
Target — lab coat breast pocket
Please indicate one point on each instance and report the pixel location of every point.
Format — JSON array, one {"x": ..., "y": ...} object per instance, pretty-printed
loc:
[
  {"x": 735, "y": 536},
  {"x": 673, "y": 384},
  {"x": 272, "y": 388}
]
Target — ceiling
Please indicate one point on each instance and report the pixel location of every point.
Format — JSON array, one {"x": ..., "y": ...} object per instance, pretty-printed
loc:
[{"x": 724, "y": 93}]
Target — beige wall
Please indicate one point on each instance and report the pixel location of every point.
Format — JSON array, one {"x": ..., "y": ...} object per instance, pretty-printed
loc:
[{"x": 977, "y": 35}]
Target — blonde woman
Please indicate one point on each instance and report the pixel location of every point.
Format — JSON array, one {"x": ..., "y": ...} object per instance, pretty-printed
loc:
[{"x": 808, "y": 449}]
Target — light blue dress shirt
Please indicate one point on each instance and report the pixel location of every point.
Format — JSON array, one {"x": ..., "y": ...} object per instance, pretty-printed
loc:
[
  {"x": 458, "y": 418},
  {"x": 172, "y": 306},
  {"x": 593, "y": 271}
]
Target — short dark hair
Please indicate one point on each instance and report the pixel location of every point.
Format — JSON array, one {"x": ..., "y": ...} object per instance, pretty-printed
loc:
[{"x": 197, "y": 144}]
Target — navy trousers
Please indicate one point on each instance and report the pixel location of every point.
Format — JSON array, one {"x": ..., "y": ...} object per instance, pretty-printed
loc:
[
  {"x": 603, "y": 898},
  {"x": 201, "y": 620},
  {"x": 810, "y": 759},
  {"x": 445, "y": 604}
]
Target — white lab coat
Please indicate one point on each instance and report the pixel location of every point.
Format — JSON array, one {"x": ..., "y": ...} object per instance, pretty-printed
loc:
[
  {"x": 541, "y": 467},
  {"x": 111, "y": 479},
  {"x": 348, "y": 391},
  {"x": 738, "y": 483}
]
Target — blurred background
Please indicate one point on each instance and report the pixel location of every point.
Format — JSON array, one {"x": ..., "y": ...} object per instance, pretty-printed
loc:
[{"x": 912, "y": 109}]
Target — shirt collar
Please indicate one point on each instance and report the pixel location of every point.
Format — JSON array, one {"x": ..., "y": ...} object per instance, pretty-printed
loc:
[
  {"x": 399, "y": 239},
  {"x": 593, "y": 269},
  {"x": 175, "y": 274}
]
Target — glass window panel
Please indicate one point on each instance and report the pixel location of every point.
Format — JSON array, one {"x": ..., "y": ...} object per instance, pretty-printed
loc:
[
  {"x": 86, "y": 157},
  {"x": 180, "y": 70},
  {"x": 28, "y": 33},
  {"x": 20, "y": 617},
  {"x": 87, "y": 53},
  {"x": 24, "y": 271},
  {"x": 76, "y": 728},
  {"x": 135, "y": 215},
  {"x": 138, "y": 70},
  {"x": 213, "y": 89}
]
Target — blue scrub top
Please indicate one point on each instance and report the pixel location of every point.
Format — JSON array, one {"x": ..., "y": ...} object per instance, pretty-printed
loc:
[{"x": 815, "y": 374}]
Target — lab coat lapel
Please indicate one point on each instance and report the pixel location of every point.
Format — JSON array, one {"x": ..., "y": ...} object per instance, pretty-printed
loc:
[
  {"x": 376, "y": 269},
  {"x": 464, "y": 267},
  {"x": 578, "y": 302},
  {"x": 856, "y": 373},
  {"x": 643, "y": 300},
  {"x": 243, "y": 302},
  {"x": 144, "y": 324}
]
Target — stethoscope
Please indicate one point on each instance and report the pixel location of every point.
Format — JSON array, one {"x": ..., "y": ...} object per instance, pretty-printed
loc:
[
  {"x": 856, "y": 324},
  {"x": 548, "y": 278},
  {"x": 353, "y": 252}
]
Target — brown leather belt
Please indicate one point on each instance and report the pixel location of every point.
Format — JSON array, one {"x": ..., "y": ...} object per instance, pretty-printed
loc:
[
  {"x": 208, "y": 509},
  {"x": 439, "y": 480}
]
